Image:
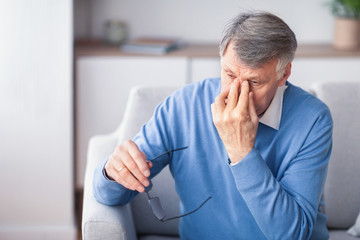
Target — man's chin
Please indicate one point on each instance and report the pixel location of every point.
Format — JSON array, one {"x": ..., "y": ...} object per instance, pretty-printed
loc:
[{"x": 259, "y": 113}]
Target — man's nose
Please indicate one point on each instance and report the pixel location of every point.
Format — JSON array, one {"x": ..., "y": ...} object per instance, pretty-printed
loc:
[{"x": 240, "y": 81}]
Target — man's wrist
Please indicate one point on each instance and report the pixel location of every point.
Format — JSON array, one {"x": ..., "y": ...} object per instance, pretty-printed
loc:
[
  {"x": 107, "y": 177},
  {"x": 231, "y": 163},
  {"x": 104, "y": 173},
  {"x": 236, "y": 158}
]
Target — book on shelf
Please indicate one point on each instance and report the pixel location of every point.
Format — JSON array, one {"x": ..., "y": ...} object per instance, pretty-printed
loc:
[{"x": 152, "y": 45}]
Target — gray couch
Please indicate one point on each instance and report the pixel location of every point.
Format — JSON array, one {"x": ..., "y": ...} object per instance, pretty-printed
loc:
[{"x": 136, "y": 221}]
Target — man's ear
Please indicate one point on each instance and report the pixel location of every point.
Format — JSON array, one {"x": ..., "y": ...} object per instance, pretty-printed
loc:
[{"x": 285, "y": 75}]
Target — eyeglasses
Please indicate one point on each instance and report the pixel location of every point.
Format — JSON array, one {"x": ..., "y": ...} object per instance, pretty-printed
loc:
[{"x": 155, "y": 203}]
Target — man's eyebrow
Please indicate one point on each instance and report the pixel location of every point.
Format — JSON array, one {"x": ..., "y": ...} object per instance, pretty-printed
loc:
[
  {"x": 253, "y": 78},
  {"x": 227, "y": 69}
]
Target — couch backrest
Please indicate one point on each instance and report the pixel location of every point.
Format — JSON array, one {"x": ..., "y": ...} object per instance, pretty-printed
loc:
[
  {"x": 342, "y": 188},
  {"x": 140, "y": 106}
]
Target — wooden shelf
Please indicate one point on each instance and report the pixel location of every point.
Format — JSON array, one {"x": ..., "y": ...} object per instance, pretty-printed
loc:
[
  {"x": 323, "y": 51},
  {"x": 191, "y": 50},
  {"x": 96, "y": 48}
]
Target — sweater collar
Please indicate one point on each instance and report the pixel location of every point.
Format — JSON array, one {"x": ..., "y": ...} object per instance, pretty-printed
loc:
[{"x": 272, "y": 115}]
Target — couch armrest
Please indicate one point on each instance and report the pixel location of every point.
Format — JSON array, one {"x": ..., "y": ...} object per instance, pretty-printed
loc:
[{"x": 98, "y": 220}]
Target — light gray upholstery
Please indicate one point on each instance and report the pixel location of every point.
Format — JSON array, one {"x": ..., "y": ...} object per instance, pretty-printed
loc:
[
  {"x": 100, "y": 221},
  {"x": 341, "y": 235},
  {"x": 342, "y": 190},
  {"x": 145, "y": 222},
  {"x": 355, "y": 229},
  {"x": 126, "y": 222},
  {"x": 158, "y": 237}
]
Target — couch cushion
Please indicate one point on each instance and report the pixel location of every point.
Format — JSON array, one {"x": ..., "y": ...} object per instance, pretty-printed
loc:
[
  {"x": 103, "y": 230},
  {"x": 342, "y": 188},
  {"x": 355, "y": 230},
  {"x": 341, "y": 235},
  {"x": 139, "y": 108},
  {"x": 144, "y": 219},
  {"x": 141, "y": 104},
  {"x": 158, "y": 237}
]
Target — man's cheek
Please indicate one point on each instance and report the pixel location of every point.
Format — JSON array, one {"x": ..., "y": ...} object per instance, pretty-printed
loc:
[{"x": 257, "y": 104}]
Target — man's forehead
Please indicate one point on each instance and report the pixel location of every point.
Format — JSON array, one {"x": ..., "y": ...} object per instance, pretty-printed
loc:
[
  {"x": 234, "y": 63},
  {"x": 262, "y": 74},
  {"x": 231, "y": 58},
  {"x": 242, "y": 69}
]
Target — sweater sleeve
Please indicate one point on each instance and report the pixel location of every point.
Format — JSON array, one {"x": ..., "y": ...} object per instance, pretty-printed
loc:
[{"x": 286, "y": 208}]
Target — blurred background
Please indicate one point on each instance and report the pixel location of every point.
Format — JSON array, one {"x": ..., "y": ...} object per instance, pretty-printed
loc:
[{"x": 66, "y": 70}]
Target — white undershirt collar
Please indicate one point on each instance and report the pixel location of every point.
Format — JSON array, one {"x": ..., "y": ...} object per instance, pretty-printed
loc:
[{"x": 272, "y": 115}]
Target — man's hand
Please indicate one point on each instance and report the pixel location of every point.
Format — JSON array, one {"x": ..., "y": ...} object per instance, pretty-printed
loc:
[
  {"x": 236, "y": 120},
  {"x": 128, "y": 166}
]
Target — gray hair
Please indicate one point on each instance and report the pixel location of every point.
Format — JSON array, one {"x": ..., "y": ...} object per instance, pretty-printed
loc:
[{"x": 258, "y": 37}]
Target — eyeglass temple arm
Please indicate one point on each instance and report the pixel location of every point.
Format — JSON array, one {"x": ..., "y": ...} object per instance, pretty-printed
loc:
[
  {"x": 180, "y": 216},
  {"x": 147, "y": 193},
  {"x": 170, "y": 151}
]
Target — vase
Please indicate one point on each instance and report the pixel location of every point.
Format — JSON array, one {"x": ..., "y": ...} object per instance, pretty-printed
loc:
[
  {"x": 115, "y": 32},
  {"x": 347, "y": 34}
]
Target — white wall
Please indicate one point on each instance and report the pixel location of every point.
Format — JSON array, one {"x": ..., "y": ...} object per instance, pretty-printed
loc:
[
  {"x": 36, "y": 145},
  {"x": 200, "y": 20},
  {"x": 307, "y": 71}
]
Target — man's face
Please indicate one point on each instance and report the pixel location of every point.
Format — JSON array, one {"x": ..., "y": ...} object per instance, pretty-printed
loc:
[{"x": 263, "y": 81}]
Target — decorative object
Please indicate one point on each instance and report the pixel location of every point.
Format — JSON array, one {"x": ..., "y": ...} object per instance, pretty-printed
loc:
[
  {"x": 347, "y": 24},
  {"x": 115, "y": 32}
]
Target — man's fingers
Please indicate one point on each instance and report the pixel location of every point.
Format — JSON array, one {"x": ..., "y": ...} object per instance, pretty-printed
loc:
[
  {"x": 140, "y": 158},
  {"x": 223, "y": 95},
  {"x": 243, "y": 102},
  {"x": 220, "y": 100},
  {"x": 133, "y": 169},
  {"x": 143, "y": 154},
  {"x": 233, "y": 96},
  {"x": 114, "y": 174},
  {"x": 127, "y": 165},
  {"x": 252, "y": 109},
  {"x": 127, "y": 179},
  {"x": 150, "y": 164},
  {"x": 123, "y": 181},
  {"x": 213, "y": 110}
]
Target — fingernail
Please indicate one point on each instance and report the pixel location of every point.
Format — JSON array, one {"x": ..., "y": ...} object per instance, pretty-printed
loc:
[
  {"x": 146, "y": 183},
  {"x": 140, "y": 188},
  {"x": 147, "y": 173}
]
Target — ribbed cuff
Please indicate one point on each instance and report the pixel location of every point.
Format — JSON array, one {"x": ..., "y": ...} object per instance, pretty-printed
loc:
[{"x": 250, "y": 172}]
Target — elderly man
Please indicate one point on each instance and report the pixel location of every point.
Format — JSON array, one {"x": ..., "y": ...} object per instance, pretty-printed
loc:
[{"x": 256, "y": 144}]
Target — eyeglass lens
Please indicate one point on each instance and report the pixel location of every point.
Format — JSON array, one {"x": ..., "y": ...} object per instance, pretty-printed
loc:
[{"x": 156, "y": 207}]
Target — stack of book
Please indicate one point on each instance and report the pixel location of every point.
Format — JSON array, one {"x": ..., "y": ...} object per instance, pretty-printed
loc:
[{"x": 151, "y": 45}]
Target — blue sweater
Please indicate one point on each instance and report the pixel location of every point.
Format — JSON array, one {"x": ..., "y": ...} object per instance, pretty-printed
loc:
[{"x": 273, "y": 193}]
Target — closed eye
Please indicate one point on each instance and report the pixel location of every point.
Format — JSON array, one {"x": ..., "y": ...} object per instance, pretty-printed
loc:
[
  {"x": 253, "y": 82},
  {"x": 231, "y": 75}
]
